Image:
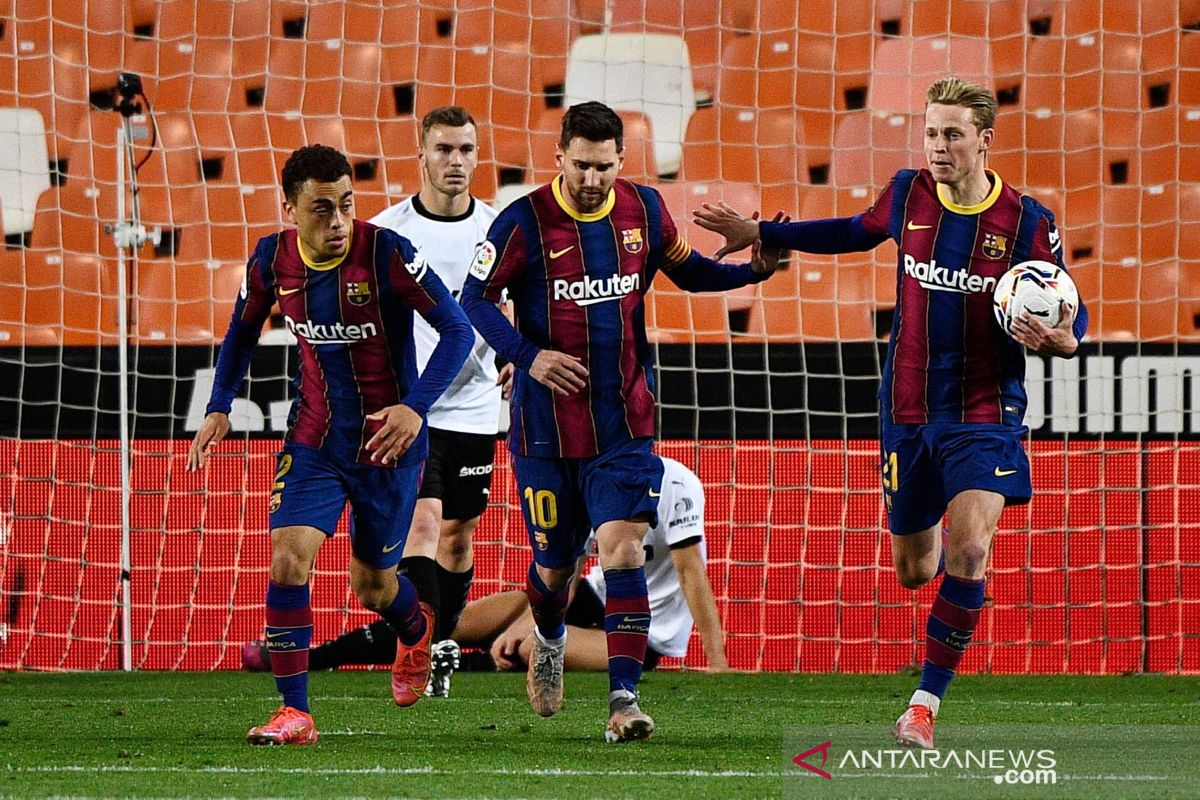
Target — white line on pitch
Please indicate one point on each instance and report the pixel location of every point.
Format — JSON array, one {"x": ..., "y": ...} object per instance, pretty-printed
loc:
[{"x": 552, "y": 772}]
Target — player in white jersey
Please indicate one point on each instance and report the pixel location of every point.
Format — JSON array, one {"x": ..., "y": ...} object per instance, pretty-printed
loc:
[
  {"x": 446, "y": 224},
  {"x": 676, "y": 582}
]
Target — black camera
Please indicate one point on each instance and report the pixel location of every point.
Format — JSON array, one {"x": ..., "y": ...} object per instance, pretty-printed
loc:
[{"x": 129, "y": 86}]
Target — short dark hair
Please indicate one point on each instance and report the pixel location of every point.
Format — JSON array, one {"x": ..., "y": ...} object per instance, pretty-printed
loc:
[
  {"x": 593, "y": 121},
  {"x": 319, "y": 162},
  {"x": 450, "y": 116}
]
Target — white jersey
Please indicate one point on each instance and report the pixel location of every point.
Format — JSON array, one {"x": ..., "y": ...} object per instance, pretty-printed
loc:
[
  {"x": 472, "y": 403},
  {"x": 680, "y": 518}
]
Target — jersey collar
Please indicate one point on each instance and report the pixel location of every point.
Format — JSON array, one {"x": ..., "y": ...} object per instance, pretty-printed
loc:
[
  {"x": 983, "y": 205},
  {"x": 322, "y": 266},
  {"x": 556, "y": 187}
]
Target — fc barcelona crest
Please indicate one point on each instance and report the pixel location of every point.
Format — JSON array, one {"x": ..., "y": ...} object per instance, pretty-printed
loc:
[
  {"x": 358, "y": 292},
  {"x": 632, "y": 239},
  {"x": 276, "y": 501},
  {"x": 994, "y": 245}
]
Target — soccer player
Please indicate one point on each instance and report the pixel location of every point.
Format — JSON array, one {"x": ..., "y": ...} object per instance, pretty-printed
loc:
[
  {"x": 676, "y": 583},
  {"x": 576, "y": 257},
  {"x": 952, "y": 398},
  {"x": 356, "y": 431},
  {"x": 446, "y": 224}
]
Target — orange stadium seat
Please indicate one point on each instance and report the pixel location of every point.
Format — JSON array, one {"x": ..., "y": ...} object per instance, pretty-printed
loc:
[
  {"x": 499, "y": 84},
  {"x": 1189, "y": 227},
  {"x": 831, "y": 16},
  {"x": 185, "y": 303},
  {"x": 825, "y": 202},
  {"x": 22, "y": 305},
  {"x": 352, "y": 21},
  {"x": 1144, "y": 18},
  {"x": 1189, "y": 70},
  {"x": 682, "y": 197},
  {"x": 904, "y": 68},
  {"x": 748, "y": 146},
  {"x": 1158, "y": 225},
  {"x": 822, "y": 93},
  {"x": 758, "y": 71},
  {"x": 1063, "y": 148},
  {"x": 1062, "y": 74},
  {"x": 816, "y": 303},
  {"x": 675, "y": 315},
  {"x": 343, "y": 78},
  {"x": 68, "y": 298},
  {"x": 869, "y": 148}
]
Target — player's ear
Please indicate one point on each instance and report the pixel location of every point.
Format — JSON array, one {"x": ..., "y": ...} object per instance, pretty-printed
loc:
[
  {"x": 985, "y": 139},
  {"x": 558, "y": 156},
  {"x": 289, "y": 212}
]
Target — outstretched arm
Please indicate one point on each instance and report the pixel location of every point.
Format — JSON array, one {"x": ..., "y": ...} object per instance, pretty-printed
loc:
[
  {"x": 826, "y": 236},
  {"x": 693, "y": 580}
]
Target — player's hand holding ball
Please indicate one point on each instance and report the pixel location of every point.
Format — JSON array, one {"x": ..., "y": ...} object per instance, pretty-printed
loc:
[{"x": 1035, "y": 303}]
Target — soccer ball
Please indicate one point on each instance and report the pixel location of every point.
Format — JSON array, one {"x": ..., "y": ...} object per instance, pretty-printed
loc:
[{"x": 1043, "y": 289}]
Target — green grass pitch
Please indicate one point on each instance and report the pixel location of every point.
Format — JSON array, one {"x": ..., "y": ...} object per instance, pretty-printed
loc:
[{"x": 719, "y": 736}]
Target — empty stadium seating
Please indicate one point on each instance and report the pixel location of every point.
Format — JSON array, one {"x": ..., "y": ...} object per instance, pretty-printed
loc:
[{"x": 1100, "y": 115}]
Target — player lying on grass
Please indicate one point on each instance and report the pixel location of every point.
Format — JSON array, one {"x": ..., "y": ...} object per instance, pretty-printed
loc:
[{"x": 676, "y": 581}]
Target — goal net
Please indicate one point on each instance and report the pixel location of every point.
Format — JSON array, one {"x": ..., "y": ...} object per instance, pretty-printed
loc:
[{"x": 767, "y": 392}]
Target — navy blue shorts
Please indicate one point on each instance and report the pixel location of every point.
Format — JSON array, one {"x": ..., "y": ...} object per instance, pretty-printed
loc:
[
  {"x": 925, "y": 466},
  {"x": 564, "y": 499},
  {"x": 312, "y": 489}
]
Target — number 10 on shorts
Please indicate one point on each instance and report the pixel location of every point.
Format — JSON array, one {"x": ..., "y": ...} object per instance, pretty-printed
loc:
[{"x": 543, "y": 507}]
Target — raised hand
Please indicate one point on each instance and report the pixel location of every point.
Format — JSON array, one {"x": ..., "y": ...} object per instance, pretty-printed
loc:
[{"x": 739, "y": 231}]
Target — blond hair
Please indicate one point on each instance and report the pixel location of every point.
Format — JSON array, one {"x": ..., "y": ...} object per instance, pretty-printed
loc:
[{"x": 957, "y": 92}]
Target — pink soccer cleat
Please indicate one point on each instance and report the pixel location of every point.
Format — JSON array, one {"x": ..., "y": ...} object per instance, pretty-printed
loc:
[
  {"x": 410, "y": 673},
  {"x": 915, "y": 727},
  {"x": 255, "y": 657},
  {"x": 287, "y": 726}
]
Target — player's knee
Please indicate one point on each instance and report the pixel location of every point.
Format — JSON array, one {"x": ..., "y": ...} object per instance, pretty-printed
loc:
[
  {"x": 289, "y": 567},
  {"x": 457, "y": 541},
  {"x": 913, "y": 573},
  {"x": 373, "y": 592},
  {"x": 967, "y": 559}
]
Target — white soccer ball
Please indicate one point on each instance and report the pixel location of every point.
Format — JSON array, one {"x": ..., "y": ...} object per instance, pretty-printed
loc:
[{"x": 1043, "y": 289}]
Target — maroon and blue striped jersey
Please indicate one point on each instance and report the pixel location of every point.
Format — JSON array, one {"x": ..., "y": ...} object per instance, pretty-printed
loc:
[
  {"x": 352, "y": 318},
  {"x": 577, "y": 283},
  {"x": 947, "y": 360}
]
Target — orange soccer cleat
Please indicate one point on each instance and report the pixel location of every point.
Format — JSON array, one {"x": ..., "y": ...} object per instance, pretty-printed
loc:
[
  {"x": 915, "y": 727},
  {"x": 287, "y": 726},
  {"x": 410, "y": 673}
]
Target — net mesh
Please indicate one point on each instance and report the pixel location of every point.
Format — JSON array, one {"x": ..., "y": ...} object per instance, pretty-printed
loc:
[{"x": 766, "y": 392}]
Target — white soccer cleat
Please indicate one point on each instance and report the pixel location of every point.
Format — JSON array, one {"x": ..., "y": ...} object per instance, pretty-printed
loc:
[
  {"x": 444, "y": 657},
  {"x": 544, "y": 681}
]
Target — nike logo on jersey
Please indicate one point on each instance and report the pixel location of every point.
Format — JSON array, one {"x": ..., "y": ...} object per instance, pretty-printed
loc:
[
  {"x": 558, "y": 253},
  {"x": 390, "y": 548},
  {"x": 912, "y": 226},
  {"x": 285, "y": 292},
  {"x": 1003, "y": 473}
]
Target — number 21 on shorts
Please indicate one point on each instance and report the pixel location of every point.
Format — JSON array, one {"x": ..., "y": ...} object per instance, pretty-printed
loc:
[{"x": 891, "y": 477}]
